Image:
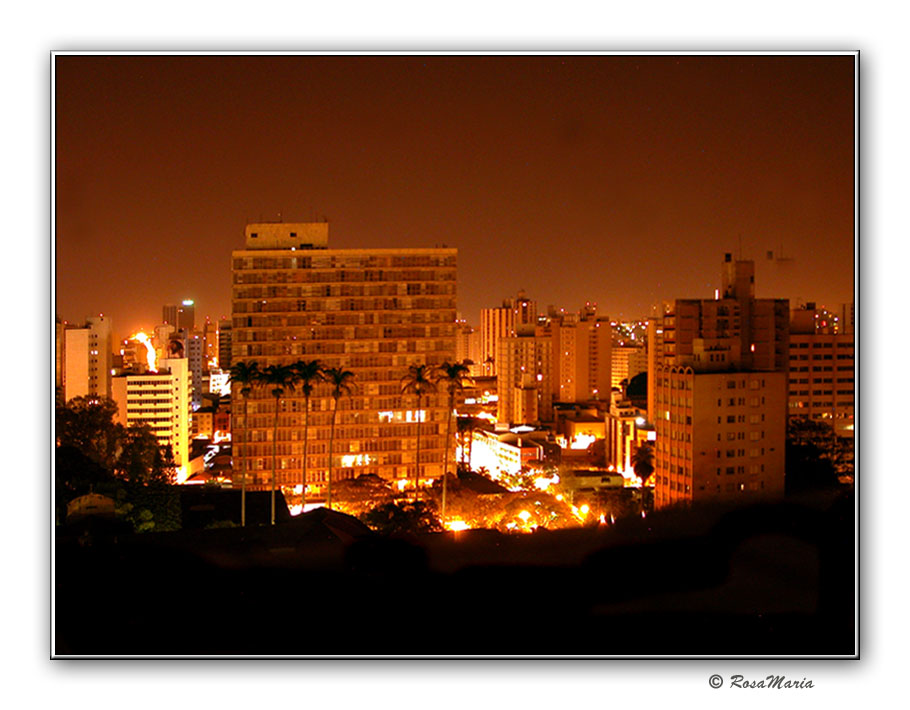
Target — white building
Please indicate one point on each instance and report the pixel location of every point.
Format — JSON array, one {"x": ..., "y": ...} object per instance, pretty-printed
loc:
[
  {"x": 160, "y": 400},
  {"x": 506, "y": 452}
]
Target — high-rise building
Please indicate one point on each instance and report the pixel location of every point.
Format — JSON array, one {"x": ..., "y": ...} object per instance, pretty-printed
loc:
[
  {"x": 182, "y": 316},
  {"x": 718, "y": 393},
  {"x": 224, "y": 344},
  {"x": 581, "y": 355},
  {"x": 467, "y": 347},
  {"x": 524, "y": 382},
  {"x": 503, "y": 322},
  {"x": 628, "y": 362},
  {"x": 194, "y": 345},
  {"x": 822, "y": 368},
  {"x": 161, "y": 400},
  {"x": 88, "y": 359},
  {"x": 374, "y": 312},
  {"x": 209, "y": 344}
]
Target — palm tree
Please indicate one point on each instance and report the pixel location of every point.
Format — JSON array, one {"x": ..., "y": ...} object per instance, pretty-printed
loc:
[
  {"x": 465, "y": 427},
  {"x": 342, "y": 384},
  {"x": 279, "y": 378},
  {"x": 643, "y": 465},
  {"x": 247, "y": 375},
  {"x": 418, "y": 382},
  {"x": 454, "y": 377},
  {"x": 309, "y": 374}
]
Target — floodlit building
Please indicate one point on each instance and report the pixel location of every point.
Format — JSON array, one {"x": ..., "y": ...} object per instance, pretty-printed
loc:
[
  {"x": 88, "y": 359},
  {"x": 627, "y": 428},
  {"x": 506, "y": 452},
  {"x": 374, "y": 312},
  {"x": 718, "y": 393},
  {"x": 161, "y": 400}
]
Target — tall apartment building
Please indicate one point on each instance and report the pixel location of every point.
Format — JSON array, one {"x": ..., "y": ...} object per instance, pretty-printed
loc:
[
  {"x": 627, "y": 362},
  {"x": 718, "y": 393},
  {"x": 822, "y": 368},
  {"x": 88, "y": 359},
  {"x": 161, "y": 400},
  {"x": 182, "y": 316},
  {"x": 582, "y": 357},
  {"x": 194, "y": 345},
  {"x": 502, "y": 322},
  {"x": 224, "y": 344},
  {"x": 210, "y": 343},
  {"x": 374, "y": 312},
  {"x": 467, "y": 347},
  {"x": 525, "y": 380}
]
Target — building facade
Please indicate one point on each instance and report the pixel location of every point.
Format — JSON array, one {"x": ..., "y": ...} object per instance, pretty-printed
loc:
[
  {"x": 161, "y": 400},
  {"x": 374, "y": 312},
  {"x": 503, "y": 322},
  {"x": 182, "y": 316},
  {"x": 88, "y": 359},
  {"x": 717, "y": 393},
  {"x": 627, "y": 362},
  {"x": 525, "y": 380},
  {"x": 224, "y": 345},
  {"x": 822, "y": 368}
]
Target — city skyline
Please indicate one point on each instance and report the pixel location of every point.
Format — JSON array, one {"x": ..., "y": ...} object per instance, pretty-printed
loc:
[{"x": 620, "y": 180}]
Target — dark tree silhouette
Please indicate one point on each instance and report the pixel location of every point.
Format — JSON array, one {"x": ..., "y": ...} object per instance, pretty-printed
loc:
[
  {"x": 309, "y": 374},
  {"x": 418, "y": 382},
  {"x": 280, "y": 378},
  {"x": 453, "y": 377},
  {"x": 342, "y": 384},
  {"x": 247, "y": 376},
  {"x": 643, "y": 465}
]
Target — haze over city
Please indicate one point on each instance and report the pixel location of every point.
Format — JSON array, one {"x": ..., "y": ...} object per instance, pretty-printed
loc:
[{"x": 613, "y": 179}]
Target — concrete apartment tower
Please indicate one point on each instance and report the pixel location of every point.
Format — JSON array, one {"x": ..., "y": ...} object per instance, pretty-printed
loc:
[
  {"x": 581, "y": 355},
  {"x": 503, "y": 322},
  {"x": 374, "y": 312},
  {"x": 717, "y": 393},
  {"x": 224, "y": 344},
  {"x": 823, "y": 366},
  {"x": 88, "y": 359},
  {"x": 161, "y": 400},
  {"x": 182, "y": 316}
]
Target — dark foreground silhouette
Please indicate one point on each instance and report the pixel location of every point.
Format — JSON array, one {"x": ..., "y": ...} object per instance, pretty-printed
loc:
[{"x": 772, "y": 579}]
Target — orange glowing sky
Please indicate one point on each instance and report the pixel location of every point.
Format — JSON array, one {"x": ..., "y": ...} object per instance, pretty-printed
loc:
[{"x": 621, "y": 180}]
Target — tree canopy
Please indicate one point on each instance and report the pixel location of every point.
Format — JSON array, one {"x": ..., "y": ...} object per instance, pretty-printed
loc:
[
  {"x": 96, "y": 454},
  {"x": 403, "y": 517}
]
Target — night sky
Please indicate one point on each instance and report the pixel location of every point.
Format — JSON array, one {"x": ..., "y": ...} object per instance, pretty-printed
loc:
[{"x": 619, "y": 180}]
